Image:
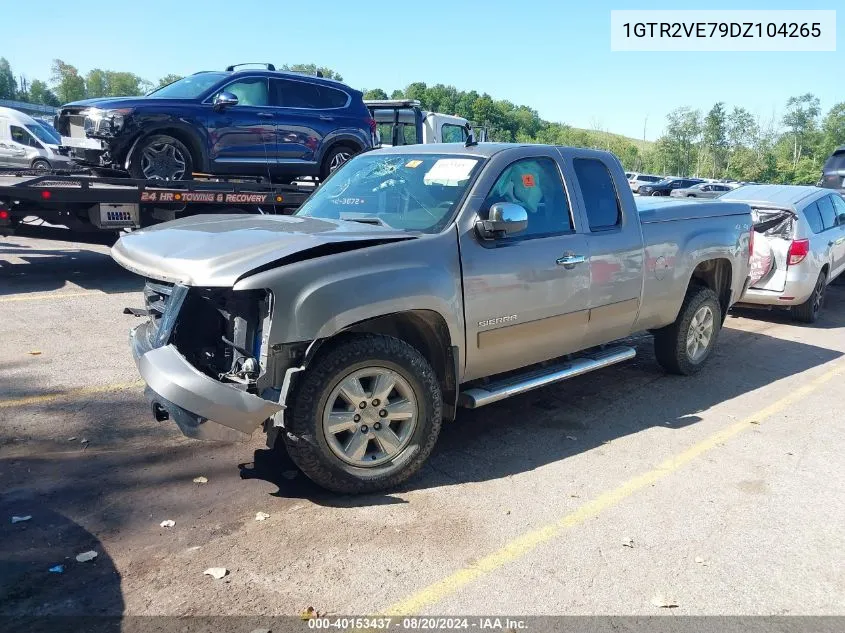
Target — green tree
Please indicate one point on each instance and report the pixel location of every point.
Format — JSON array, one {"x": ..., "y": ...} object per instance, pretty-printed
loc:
[
  {"x": 801, "y": 116},
  {"x": 375, "y": 93},
  {"x": 715, "y": 137},
  {"x": 8, "y": 84},
  {"x": 124, "y": 84},
  {"x": 40, "y": 93},
  {"x": 833, "y": 129},
  {"x": 397, "y": 94},
  {"x": 683, "y": 127},
  {"x": 311, "y": 69},
  {"x": 69, "y": 84},
  {"x": 97, "y": 83},
  {"x": 168, "y": 79}
]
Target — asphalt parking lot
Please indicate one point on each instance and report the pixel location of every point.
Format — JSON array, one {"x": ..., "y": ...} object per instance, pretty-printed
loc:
[{"x": 624, "y": 492}]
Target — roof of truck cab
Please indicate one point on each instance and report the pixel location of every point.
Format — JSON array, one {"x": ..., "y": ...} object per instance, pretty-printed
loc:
[
  {"x": 482, "y": 150},
  {"x": 777, "y": 196}
]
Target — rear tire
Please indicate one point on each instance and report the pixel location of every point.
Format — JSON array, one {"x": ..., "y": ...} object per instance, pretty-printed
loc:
[
  {"x": 684, "y": 346},
  {"x": 808, "y": 312},
  {"x": 327, "y": 456},
  {"x": 161, "y": 157},
  {"x": 337, "y": 155}
]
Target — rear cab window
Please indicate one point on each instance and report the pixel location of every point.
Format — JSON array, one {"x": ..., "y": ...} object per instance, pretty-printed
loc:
[
  {"x": 604, "y": 212},
  {"x": 450, "y": 133}
]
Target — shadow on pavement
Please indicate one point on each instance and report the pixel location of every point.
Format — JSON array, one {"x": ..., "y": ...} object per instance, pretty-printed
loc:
[
  {"x": 834, "y": 305},
  {"x": 29, "y": 590},
  {"x": 541, "y": 427},
  {"x": 25, "y": 269}
]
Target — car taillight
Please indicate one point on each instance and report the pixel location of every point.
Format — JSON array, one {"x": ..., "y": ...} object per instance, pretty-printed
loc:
[
  {"x": 751, "y": 244},
  {"x": 4, "y": 215},
  {"x": 372, "y": 124},
  {"x": 798, "y": 250}
]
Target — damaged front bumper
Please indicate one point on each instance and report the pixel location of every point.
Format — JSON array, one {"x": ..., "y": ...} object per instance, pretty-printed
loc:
[{"x": 202, "y": 408}]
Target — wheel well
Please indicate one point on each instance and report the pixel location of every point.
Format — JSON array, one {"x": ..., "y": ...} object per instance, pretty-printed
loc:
[
  {"x": 826, "y": 270},
  {"x": 426, "y": 331},
  {"x": 187, "y": 139},
  {"x": 355, "y": 147},
  {"x": 715, "y": 274}
]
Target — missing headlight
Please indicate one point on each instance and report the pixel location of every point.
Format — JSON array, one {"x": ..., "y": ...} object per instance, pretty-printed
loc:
[{"x": 222, "y": 333}]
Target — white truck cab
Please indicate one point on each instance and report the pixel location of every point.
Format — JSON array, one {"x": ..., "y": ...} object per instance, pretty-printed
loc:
[{"x": 404, "y": 122}]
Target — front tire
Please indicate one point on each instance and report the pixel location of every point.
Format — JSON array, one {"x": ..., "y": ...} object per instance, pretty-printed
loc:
[
  {"x": 684, "y": 346},
  {"x": 365, "y": 415},
  {"x": 161, "y": 157},
  {"x": 656, "y": 193},
  {"x": 808, "y": 312},
  {"x": 40, "y": 165}
]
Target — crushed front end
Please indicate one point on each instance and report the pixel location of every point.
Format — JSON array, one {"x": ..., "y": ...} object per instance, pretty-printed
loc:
[{"x": 204, "y": 355}]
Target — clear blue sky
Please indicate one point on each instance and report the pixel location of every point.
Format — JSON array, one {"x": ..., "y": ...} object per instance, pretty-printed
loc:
[{"x": 553, "y": 56}]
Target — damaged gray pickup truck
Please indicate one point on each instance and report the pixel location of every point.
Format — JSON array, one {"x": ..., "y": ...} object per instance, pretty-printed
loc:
[{"x": 414, "y": 281}]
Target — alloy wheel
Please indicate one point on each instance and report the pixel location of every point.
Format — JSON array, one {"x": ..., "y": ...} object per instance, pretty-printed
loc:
[
  {"x": 338, "y": 160},
  {"x": 700, "y": 334},
  {"x": 370, "y": 416},
  {"x": 162, "y": 161}
]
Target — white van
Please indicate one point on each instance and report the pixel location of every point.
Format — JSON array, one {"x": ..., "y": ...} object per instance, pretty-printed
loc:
[{"x": 29, "y": 144}]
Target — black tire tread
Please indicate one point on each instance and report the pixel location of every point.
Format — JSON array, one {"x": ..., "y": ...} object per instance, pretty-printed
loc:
[
  {"x": 670, "y": 341},
  {"x": 301, "y": 425},
  {"x": 804, "y": 313}
]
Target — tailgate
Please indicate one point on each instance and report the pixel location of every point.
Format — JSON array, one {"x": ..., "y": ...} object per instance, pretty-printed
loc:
[{"x": 774, "y": 230}]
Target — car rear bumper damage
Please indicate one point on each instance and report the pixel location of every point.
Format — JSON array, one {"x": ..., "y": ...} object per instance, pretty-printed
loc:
[
  {"x": 202, "y": 408},
  {"x": 796, "y": 292}
]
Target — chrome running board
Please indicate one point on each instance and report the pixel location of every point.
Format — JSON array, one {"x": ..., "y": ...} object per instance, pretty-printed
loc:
[{"x": 499, "y": 390}]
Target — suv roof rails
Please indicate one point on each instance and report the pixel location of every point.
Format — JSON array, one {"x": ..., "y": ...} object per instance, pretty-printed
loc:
[
  {"x": 392, "y": 103},
  {"x": 233, "y": 66}
]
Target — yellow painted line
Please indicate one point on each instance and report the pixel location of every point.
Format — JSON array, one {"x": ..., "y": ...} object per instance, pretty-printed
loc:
[
  {"x": 52, "y": 295},
  {"x": 529, "y": 541},
  {"x": 70, "y": 394}
]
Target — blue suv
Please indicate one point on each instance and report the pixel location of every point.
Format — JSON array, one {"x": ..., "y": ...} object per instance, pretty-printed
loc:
[{"x": 280, "y": 125}]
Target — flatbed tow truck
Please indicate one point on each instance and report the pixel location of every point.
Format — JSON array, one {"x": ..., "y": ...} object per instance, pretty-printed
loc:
[{"x": 89, "y": 204}]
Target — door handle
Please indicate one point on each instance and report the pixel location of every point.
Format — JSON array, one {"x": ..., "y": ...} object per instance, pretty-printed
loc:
[
  {"x": 569, "y": 261},
  {"x": 265, "y": 115},
  {"x": 326, "y": 117}
]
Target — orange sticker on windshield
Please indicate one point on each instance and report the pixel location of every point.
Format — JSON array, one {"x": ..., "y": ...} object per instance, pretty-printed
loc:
[
  {"x": 527, "y": 180},
  {"x": 413, "y": 163}
]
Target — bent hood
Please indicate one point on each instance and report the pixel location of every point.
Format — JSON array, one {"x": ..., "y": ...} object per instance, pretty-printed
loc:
[{"x": 217, "y": 250}]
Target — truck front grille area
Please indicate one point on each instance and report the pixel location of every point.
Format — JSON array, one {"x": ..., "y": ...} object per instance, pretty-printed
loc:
[
  {"x": 162, "y": 301},
  {"x": 220, "y": 333}
]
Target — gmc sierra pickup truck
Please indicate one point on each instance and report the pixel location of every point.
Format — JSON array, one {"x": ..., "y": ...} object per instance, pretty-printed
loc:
[{"x": 417, "y": 280}]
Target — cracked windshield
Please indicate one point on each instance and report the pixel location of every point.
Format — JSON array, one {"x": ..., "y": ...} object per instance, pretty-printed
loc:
[{"x": 413, "y": 192}]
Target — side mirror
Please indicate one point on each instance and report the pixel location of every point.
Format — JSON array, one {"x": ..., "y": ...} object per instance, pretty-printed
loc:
[
  {"x": 505, "y": 218},
  {"x": 841, "y": 219},
  {"x": 224, "y": 100}
]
